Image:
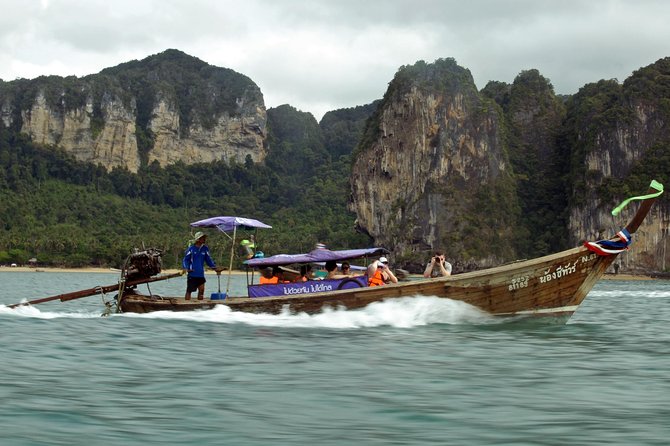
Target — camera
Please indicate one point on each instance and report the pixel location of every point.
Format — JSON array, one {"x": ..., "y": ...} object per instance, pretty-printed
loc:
[{"x": 438, "y": 259}]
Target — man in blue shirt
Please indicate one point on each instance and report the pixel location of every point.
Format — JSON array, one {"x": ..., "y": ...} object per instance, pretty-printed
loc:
[{"x": 194, "y": 264}]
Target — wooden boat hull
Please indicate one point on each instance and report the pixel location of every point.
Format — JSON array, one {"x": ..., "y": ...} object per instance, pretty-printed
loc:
[{"x": 552, "y": 285}]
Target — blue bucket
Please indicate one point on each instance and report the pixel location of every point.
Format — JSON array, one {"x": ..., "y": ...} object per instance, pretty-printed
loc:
[{"x": 218, "y": 296}]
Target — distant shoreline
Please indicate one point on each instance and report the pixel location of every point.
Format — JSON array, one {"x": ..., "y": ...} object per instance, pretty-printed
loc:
[
  {"x": 628, "y": 277},
  {"x": 93, "y": 270}
]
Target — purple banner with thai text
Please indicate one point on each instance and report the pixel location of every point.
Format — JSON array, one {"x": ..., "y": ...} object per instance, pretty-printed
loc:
[{"x": 309, "y": 287}]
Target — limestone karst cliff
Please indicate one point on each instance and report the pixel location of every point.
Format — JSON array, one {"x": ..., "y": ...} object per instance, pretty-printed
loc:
[
  {"x": 114, "y": 145},
  {"x": 441, "y": 166},
  {"x": 620, "y": 139},
  {"x": 431, "y": 171},
  {"x": 168, "y": 107}
]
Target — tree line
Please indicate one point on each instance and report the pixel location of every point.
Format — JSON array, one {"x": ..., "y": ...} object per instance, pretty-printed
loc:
[{"x": 70, "y": 213}]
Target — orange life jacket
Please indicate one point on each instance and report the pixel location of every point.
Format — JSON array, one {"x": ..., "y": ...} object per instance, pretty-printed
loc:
[
  {"x": 264, "y": 281},
  {"x": 377, "y": 279}
]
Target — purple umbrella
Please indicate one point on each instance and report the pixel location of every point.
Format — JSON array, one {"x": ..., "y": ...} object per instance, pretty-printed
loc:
[{"x": 227, "y": 224}]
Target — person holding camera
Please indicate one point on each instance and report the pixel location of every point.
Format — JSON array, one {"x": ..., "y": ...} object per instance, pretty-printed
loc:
[
  {"x": 380, "y": 274},
  {"x": 438, "y": 266}
]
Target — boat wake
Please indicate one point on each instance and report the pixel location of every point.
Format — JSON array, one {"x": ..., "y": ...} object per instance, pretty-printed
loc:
[
  {"x": 403, "y": 313},
  {"x": 34, "y": 312}
]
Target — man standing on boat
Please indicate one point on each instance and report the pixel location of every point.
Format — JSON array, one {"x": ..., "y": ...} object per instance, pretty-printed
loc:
[
  {"x": 193, "y": 263},
  {"x": 380, "y": 274},
  {"x": 438, "y": 266}
]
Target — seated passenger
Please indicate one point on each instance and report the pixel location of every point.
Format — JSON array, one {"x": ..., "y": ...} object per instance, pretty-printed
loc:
[
  {"x": 278, "y": 272},
  {"x": 331, "y": 267},
  {"x": 267, "y": 277},
  {"x": 438, "y": 266},
  {"x": 379, "y": 273},
  {"x": 346, "y": 270},
  {"x": 305, "y": 273}
]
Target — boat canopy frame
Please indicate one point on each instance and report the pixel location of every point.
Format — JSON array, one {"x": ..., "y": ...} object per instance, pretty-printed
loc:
[{"x": 226, "y": 224}]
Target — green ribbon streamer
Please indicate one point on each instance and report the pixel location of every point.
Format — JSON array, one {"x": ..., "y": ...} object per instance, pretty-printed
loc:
[{"x": 654, "y": 185}]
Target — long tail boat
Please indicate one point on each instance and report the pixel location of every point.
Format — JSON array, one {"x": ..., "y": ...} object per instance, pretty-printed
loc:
[{"x": 554, "y": 285}]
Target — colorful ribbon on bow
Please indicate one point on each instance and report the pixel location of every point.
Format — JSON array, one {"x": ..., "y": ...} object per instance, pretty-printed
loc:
[{"x": 654, "y": 185}]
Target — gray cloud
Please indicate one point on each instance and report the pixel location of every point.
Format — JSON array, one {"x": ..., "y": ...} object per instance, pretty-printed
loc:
[{"x": 320, "y": 55}]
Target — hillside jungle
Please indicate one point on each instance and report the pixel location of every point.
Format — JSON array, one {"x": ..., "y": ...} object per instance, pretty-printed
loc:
[{"x": 68, "y": 213}]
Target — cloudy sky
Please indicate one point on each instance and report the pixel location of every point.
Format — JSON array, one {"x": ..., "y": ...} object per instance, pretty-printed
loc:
[{"x": 321, "y": 55}]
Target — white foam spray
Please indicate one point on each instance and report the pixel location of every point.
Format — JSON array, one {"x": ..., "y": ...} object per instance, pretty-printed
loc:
[{"x": 404, "y": 312}]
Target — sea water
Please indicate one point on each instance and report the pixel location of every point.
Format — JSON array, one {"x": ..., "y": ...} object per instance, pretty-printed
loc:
[{"x": 421, "y": 371}]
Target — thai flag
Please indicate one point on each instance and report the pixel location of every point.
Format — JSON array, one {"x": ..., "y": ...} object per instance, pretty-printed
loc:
[{"x": 611, "y": 247}]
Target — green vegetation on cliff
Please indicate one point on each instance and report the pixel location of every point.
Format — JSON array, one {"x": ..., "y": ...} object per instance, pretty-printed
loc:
[
  {"x": 612, "y": 122},
  {"x": 65, "y": 212},
  {"x": 342, "y": 129},
  {"x": 533, "y": 118},
  {"x": 200, "y": 91}
]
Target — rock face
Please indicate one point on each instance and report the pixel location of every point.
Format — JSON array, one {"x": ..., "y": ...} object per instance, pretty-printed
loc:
[
  {"x": 622, "y": 141},
  {"x": 167, "y": 108},
  {"x": 115, "y": 145},
  {"x": 533, "y": 117},
  {"x": 233, "y": 137},
  {"x": 432, "y": 167},
  {"x": 442, "y": 167}
]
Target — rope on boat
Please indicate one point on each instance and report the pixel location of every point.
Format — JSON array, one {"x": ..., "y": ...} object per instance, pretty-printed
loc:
[
  {"x": 122, "y": 287},
  {"x": 106, "y": 303},
  {"x": 122, "y": 284}
]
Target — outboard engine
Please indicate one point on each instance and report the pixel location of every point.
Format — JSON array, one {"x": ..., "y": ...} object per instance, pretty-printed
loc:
[{"x": 143, "y": 264}]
